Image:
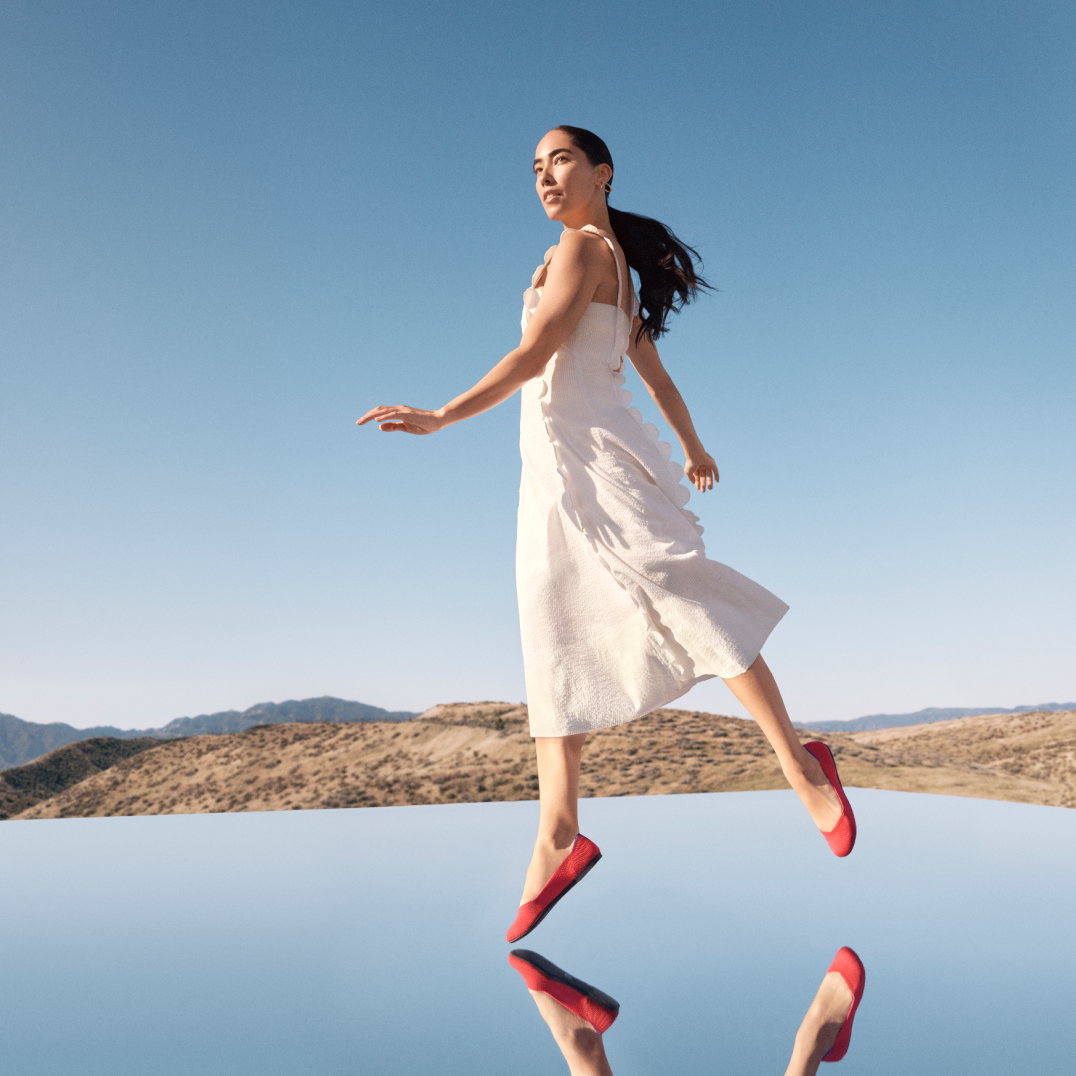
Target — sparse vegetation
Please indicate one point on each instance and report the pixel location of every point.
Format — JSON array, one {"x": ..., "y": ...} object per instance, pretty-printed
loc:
[{"x": 481, "y": 752}]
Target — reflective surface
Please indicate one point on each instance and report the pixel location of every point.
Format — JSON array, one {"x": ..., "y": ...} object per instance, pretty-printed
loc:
[{"x": 373, "y": 940}]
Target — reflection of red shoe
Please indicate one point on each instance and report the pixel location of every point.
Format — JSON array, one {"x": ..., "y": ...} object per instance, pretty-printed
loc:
[
  {"x": 843, "y": 835},
  {"x": 587, "y": 1001},
  {"x": 850, "y": 968},
  {"x": 580, "y": 859}
]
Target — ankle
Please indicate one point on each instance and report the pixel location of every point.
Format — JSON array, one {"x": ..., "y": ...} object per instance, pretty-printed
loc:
[
  {"x": 583, "y": 1044},
  {"x": 795, "y": 769},
  {"x": 557, "y": 838},
  {"x": 804, "y": 768}
]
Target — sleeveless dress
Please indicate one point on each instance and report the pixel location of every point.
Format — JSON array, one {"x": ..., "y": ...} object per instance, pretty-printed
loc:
[{"x": 620, "y": 610}]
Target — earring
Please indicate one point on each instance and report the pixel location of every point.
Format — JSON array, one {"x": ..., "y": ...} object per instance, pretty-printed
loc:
[{"x": 608, "y": 188}]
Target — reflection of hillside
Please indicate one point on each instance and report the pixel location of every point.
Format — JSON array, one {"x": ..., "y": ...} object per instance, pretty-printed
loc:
[{"x": 468, "y": 752}]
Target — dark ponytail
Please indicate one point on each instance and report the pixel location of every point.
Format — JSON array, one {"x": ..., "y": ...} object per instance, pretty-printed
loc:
[{"x": 666, "y": 267}]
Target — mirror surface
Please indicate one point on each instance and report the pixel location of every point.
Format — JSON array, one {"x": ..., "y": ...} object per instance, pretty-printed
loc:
[{"x": 372, "y": 940}]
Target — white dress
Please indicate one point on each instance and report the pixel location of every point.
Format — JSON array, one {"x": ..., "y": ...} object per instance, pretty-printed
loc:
[{"x": 620, "y": 610}]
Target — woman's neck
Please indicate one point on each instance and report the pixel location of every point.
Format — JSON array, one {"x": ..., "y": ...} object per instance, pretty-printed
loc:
[{"x": 595, "y": 213}]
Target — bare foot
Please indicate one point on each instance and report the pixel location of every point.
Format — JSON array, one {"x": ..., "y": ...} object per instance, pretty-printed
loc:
[
  {"x": 820, "y": 1026},
  {"x": 812, "y": 786},
  {"x": 548, "y": 855},
  {"x": 581, "y": 1045}
]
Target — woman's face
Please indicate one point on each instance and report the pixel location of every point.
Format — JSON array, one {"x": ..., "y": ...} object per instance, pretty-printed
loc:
[{"x": 566, "y": 181}]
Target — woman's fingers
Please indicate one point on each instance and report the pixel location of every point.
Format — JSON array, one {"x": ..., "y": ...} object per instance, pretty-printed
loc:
[
  {"x": 703, "y": 476},
  {"x": 399, "y": 418},
  {"x": 383, "y": 414},
  {"x": 377, "y": 414}
]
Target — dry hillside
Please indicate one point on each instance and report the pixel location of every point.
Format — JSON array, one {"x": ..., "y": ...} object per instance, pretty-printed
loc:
[
  {"x": 24, "y": 786},
  {"x": 468, "y": 752}
]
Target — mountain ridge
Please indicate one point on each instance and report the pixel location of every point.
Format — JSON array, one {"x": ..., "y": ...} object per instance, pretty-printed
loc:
[
  {"x": 927, "y": 716},
  {"x": 23, "y": 741}
]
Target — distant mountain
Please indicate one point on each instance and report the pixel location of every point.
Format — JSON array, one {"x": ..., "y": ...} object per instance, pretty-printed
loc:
[
  {"x": 338, "y": 711},
  {"x": 925, "y": 717},
  {"x": 22, "y": 741}
]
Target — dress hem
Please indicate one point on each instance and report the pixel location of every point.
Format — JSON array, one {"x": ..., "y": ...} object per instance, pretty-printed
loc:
[{"x": 584, "y": 726}]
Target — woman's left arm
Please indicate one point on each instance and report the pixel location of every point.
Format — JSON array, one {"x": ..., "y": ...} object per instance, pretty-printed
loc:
[
  {"x": 571, "y": 280},
  {"x": 700, "y": 467}
]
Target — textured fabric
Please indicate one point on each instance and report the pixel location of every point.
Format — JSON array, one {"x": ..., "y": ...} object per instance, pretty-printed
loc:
[{"x": 620, "y": 610}]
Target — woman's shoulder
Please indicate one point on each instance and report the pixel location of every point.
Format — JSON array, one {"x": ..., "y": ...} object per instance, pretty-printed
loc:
[
  {"x": 580, "y": 244},
  {"x": 581, "y": 238},
  {"x": 575, "y": 245}
]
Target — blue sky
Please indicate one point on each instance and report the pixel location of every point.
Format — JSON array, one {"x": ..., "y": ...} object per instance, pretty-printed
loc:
[{"x": 230, "y": 228}]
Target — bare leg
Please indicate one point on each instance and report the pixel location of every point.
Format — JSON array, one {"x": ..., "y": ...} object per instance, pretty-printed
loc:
[
  {"x": 558, "y": 825},
  {"x": 761, "y": 697},
  {"x": 581, "y": 1045},
  {"x": 820, "y": 1026}
]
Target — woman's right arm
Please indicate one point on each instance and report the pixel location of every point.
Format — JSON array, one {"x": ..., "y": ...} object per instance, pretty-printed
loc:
[
  {"x": 571, "y": 280},
  {"x": 700, "y": 468}
]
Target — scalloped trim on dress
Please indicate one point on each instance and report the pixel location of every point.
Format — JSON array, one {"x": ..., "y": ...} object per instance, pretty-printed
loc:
[{"x": 664, "y": 449}]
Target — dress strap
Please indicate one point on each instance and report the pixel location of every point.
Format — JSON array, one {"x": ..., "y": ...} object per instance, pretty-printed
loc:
[{"x": 619, "y": 282}]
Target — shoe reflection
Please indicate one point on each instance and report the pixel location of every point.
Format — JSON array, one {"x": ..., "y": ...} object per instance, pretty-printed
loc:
[
  {"x": 577, "y": 1013},
  {"x": 826, "y": 1029}
]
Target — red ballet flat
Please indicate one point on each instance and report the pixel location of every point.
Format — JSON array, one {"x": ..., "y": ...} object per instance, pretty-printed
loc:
[
  {"x": 584, "y": 854},
  {"x": 594, "y": 1006},
  {"x": 850, "y": 968},
  {"x": 843, "y": 835}
]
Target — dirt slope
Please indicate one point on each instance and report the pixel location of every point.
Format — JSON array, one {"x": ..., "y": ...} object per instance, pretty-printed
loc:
[
  {"x": 468, "y": 752},
  {"x": 1029, "y": 757},
  {"x": 23, "y": 786}
]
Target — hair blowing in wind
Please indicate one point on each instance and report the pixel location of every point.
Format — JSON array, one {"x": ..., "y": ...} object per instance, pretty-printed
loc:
[{"x": 666, "y": 266}]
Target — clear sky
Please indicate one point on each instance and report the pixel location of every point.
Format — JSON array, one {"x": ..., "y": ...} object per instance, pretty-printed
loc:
[{"x": 229, "y": 228}]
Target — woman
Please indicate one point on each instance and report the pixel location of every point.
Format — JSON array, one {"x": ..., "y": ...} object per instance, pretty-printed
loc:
[{"x": 620, "y": 610}]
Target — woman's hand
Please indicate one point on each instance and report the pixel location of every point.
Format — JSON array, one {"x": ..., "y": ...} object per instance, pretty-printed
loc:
[
  {"x": 404, "y": 419},
  {"x": 701, "y": 469}
]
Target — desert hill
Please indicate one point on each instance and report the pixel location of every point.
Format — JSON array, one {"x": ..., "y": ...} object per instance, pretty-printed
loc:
[
  {"x": 478, "y": 752},
  {"x": 22, "y": 741},
  {"x": 24, "y": 786}
]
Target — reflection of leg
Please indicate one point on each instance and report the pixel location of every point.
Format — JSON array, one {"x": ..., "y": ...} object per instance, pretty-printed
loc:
[
  {"x": 581, "y": 1045},
  {"x": 827, "y": 1028},
  {"x": 758, "y": 691},
  {"x": 820, "y": 1026},
  {"x": 558, "y": 784}
]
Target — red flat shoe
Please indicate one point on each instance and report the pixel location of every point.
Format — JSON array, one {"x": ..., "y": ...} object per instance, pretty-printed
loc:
[
  {"x": 594, "y": 1006},
  {"x": 843, "y": 835},
  {"x": 584, "y": 854},
  {"x": 850, "y": 968}
]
